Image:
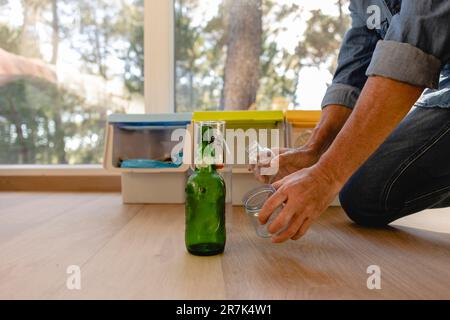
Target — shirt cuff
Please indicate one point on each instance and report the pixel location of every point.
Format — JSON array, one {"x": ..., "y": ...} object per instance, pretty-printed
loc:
[
  {"x": 406, "y": 63},
  {"x": 341, "y": 94}
]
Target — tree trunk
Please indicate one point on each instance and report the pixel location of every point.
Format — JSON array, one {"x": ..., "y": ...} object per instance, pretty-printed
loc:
[
  {"x": 15, "y": 119},
  {"x": 59, "y": 139},
  {"x": 341, "y": 4},
  {"x": 28, "y": 45},
  {"x": 242, "y": 68},
  {"x": 55, "y": 34}
]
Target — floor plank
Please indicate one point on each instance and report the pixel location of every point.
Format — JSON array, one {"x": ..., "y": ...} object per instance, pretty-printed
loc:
[
  {"x": 32, "y": 210},
  {"x": 9, "y": 200},
  {"x": 137, "y": 252},
  {"x": 336, "y": 254},
  {"x": 33, "y": 264},
  {"x": 150, "y": 258}
]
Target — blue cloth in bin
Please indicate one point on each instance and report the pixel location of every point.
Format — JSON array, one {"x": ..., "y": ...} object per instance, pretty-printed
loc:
[
  {"x": 152, "y": 164},
  {"x": 148, "y": 164}
]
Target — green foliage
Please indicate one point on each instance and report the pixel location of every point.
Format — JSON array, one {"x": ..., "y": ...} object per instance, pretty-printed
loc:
[
  {"x": 322, "y": 39},
  {"x": 200, "y": 53},
  {"x": 9, "y": 38},
  {"x": 134, "y": 61},
  {"x": 42, "y": 123},
  {"x": 33, "y": 132},
  {"x": 199, "y": 57},
  {"x": 276, "y": 62}
]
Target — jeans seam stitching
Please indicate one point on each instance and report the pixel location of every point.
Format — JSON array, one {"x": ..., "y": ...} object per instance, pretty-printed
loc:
[
  {"x": 427, "y": 194},
  {"x": 412, "y": 159}
]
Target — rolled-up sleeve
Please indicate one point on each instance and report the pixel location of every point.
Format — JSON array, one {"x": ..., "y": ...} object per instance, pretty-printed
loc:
[
  {"x": 354, "y": 58},
  {"x": 417, "y": 44}
]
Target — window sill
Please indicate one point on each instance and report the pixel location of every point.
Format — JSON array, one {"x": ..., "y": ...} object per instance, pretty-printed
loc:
[
  {"x": 54, "y": 170},
  {"x": 62, "y": 178}
]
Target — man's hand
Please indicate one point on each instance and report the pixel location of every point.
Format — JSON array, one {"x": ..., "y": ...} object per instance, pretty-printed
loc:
[
  {"x": 288, "y": 162},
  {"x": 306, "y": 194}
]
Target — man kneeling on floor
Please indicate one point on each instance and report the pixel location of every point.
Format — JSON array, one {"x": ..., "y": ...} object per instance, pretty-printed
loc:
[{"x": 384, "y": 160}]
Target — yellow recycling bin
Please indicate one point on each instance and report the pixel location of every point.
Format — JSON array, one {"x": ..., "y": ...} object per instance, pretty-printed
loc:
[{"x": 299, "y": 126}]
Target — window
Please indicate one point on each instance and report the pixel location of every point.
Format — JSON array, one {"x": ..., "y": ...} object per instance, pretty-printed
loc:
[
  {"x": 263, "y": 54},
  {"x": 64, "y": 66}
]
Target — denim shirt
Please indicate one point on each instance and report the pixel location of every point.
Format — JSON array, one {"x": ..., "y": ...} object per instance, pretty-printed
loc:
[{"x": 411, "y": 45}]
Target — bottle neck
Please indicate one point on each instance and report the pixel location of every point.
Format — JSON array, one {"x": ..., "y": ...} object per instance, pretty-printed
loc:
[{"x": 206, "y": 168}]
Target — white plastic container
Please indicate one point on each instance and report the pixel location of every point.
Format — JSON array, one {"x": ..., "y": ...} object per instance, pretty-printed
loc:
[{"x": 132, "y": 137}]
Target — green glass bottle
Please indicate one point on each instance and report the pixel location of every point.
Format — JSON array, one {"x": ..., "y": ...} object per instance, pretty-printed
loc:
[{"x": 205, "y": 208}]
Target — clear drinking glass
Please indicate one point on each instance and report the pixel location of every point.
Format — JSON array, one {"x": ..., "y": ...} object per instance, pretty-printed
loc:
[{"x": 253, "y": 203}]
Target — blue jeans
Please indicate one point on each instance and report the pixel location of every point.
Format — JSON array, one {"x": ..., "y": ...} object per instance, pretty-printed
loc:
[{"x": 410, "y": 172}]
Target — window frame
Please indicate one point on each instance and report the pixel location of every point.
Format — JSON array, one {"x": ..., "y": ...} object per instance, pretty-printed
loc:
[
  {"x": 159, "y": 56},
  {"x": 159, "y": 87}
]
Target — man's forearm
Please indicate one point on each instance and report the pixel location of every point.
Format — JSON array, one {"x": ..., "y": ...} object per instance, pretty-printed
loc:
[
  {"x": 331, "y": 122},
  {"x": 383, "y": 103}
]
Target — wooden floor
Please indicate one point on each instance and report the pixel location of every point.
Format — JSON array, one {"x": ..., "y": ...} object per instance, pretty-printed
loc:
[{"x": 138, "y": 252}]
